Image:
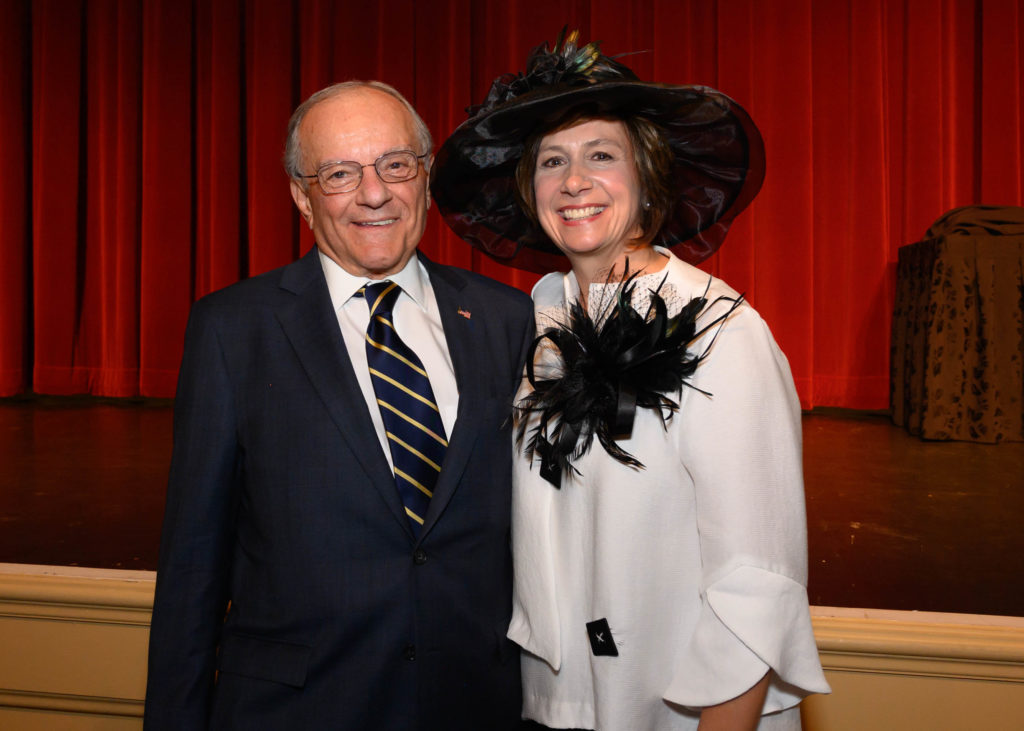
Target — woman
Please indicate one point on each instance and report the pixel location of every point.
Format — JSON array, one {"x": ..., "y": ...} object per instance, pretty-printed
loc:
[{"x": 660, "y": 572}]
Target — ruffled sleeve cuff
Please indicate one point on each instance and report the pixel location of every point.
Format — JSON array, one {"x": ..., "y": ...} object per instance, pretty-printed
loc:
[{"x": 752, "y": 620}]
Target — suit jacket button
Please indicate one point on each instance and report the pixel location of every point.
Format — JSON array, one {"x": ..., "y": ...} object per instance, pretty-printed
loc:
[
  {"x": 419, "y": 557},
  {"x": 410, "y": 652}
]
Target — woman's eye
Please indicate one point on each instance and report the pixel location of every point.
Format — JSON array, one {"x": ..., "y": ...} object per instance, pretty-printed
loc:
[
  {"x": 551, "y": 162},
  {"x": 601, "y": 156}
]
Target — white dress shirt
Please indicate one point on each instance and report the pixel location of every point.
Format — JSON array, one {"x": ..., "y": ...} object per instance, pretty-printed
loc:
[{"x": 417, "y": 321}]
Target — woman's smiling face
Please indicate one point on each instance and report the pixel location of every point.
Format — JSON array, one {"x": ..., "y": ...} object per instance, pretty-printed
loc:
[{"x": 586, "y": 189}]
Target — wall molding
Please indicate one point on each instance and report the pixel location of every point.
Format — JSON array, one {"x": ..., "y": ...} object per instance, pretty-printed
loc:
[
  {"x": 66, "y": 703},
  {"x": 77, "y": 642},
  {"x": 925, "y": 644},
  {"x": 84, "y": 596}
]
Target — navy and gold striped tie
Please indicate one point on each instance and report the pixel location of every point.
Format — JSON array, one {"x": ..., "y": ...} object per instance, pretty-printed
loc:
[{"x": 412, "y": 420}]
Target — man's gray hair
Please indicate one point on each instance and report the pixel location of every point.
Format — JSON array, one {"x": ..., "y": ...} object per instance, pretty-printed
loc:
[{"x": 293, "y": 145}]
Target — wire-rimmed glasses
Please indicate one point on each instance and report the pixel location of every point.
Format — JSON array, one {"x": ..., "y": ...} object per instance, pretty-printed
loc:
[{"x": 346, "y": 176}]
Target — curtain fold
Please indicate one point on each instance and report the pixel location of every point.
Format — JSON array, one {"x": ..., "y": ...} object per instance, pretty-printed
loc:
[
  {"x": 59, "y": 251},
  {"x": 141, "y": 145},
  {"x": 15, "y": 214},
  {"x": 218, "y": 250}
]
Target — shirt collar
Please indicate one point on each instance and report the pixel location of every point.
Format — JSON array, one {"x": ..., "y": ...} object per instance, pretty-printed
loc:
[
  {"x": 571, "y": 287},
  {"x": 413, "y": 280}
]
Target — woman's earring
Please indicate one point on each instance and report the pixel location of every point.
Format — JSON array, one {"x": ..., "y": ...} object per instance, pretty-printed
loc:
[{"x": 647, "y": 204}]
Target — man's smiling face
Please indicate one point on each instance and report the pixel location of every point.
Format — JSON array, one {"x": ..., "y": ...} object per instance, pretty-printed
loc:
[{"x": 373, "y": 230}]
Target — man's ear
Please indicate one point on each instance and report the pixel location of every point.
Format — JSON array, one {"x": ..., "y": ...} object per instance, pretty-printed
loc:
[
  {"x": 426, "y": 168},
  {"x": 301, "y": 198}
]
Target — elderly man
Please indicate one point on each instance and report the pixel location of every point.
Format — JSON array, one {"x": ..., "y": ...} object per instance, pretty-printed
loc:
[{"x": 335, "y": 545}]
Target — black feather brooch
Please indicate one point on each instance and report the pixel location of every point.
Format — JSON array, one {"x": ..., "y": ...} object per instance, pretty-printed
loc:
[{"x": 609, "y": 366}]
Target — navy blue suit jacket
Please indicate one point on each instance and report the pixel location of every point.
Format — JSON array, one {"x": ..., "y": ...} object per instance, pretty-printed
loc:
[{"x": 286, "y": 561}]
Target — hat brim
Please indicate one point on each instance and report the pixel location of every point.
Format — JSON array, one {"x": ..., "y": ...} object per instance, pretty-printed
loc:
[{"x": 718, "y": 167}]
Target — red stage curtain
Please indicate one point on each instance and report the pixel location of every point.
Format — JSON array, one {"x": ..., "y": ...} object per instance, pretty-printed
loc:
[{"x": 141, "y": 147}]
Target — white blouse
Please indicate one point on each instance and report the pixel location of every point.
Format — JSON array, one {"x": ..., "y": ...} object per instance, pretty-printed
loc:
[{"x": 697, "y": 562}]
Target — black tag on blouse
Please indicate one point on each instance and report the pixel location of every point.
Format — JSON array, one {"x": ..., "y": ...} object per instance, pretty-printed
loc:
[
  {"x": 601, "y": 641},
  {"x": 550, "y": 471}
]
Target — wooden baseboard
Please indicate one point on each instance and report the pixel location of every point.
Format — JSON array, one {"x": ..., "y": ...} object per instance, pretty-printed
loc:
[
  {"x": 75, "y": 657},
  {"x": 75, "y": 644}
]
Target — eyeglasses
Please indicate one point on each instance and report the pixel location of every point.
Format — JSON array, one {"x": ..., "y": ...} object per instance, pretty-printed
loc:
[{"x": 344, "y": 177}]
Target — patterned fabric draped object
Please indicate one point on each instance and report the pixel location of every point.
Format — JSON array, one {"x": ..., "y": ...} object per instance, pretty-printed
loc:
[{"x": 958, "y": 328}]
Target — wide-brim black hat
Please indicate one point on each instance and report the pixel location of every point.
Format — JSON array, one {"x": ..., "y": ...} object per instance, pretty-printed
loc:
[{"x": 717, "y": 170}]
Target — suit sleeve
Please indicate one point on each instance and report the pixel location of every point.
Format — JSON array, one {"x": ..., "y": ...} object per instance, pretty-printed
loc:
[
  {"x": 195, "y": 547},
  {"x": 528, "y": 335}
]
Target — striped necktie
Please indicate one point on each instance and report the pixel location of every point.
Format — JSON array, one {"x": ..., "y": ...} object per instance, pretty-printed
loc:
[{"x": 412, "y": 420}]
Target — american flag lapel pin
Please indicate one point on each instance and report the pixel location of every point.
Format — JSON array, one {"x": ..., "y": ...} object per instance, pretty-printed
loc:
[{"x": 465, "y": 313}]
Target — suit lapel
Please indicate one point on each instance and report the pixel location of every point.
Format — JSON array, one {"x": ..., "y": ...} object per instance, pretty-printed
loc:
[
  {"x": 463, "y": 336},
  {"x": 309, "y": 322}
]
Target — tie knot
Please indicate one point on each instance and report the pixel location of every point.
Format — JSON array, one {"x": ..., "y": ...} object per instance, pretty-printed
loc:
[{"x": 381, "y": 296}]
